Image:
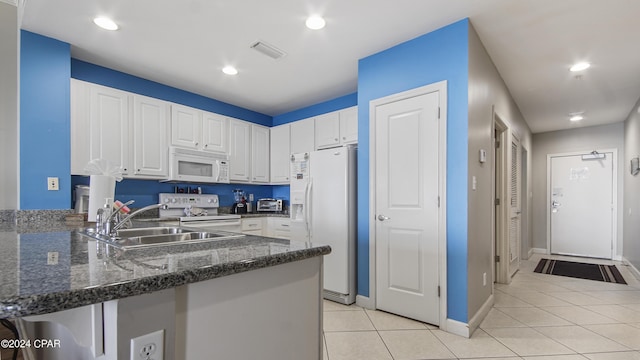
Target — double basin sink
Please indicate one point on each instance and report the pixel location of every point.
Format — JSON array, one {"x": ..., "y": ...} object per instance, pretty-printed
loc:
[{"x": 157, "y": 236}]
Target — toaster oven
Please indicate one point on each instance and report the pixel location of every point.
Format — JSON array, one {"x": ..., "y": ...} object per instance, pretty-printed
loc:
[{"x": 269, "y": 205}]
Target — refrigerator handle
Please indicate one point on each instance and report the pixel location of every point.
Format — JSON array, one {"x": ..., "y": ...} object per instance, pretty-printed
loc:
[{"x": 307, "y": 206}]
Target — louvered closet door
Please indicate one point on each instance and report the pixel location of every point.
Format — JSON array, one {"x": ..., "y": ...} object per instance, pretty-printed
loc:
[{"x": 515, "y": 211}]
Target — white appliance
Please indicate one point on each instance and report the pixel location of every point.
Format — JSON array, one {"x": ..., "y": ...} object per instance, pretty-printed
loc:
[
  {"x": 187, "y": 165},
  {"x": 323, "y": 210},
  {"x": 198, "y": 211}
]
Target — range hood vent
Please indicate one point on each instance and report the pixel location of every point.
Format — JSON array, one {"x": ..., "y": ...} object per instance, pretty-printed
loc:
[{"x": 268, "y": 50}]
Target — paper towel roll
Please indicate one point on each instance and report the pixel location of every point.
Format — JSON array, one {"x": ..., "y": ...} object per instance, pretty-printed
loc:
[{"x": 100, "y": 188}]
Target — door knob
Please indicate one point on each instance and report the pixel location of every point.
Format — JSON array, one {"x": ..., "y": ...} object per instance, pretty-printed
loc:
[{"x": 383, "y": 218}]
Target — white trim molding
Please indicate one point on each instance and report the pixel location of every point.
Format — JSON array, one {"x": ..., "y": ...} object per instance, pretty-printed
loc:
[
  {"x": 482, "y": 313},
  {"x": 365, "y": 302}
]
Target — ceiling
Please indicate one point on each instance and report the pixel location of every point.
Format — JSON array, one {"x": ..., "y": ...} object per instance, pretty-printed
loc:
[{"x": 186, "y": 43}]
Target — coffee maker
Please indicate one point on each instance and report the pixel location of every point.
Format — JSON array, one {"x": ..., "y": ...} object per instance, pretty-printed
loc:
[{"x": 240, "y": 204}]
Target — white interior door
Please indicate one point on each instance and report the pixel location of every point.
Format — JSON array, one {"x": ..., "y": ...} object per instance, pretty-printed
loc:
[
  {"x": 406, "y": 207},
  {"x": 515, "y": 210},
  {"x": 581, "y": 205}
]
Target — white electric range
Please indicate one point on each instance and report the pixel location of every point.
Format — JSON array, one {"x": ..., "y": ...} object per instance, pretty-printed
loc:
[{"x": 198, "y": 211}]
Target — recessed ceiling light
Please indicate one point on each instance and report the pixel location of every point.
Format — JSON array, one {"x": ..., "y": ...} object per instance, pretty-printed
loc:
[
  {"x": 230, "y": 70},
  {"x": 580, "y": 66},
  {"x": 315, "y": 22},
  {"x": 576, "y": 117},
  {"x": 105, "y": 23}
]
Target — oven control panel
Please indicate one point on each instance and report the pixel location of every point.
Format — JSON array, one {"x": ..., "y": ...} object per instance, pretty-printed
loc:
[{"x": 174, "y": 201}]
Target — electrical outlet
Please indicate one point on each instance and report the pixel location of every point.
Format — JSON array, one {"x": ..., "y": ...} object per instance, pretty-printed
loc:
[
  {"x": 148, "y": 347},
  {"x": 484, "y": 279},
  {"x": 52, "y": 183},
  {"x": 52, "y": 258}
]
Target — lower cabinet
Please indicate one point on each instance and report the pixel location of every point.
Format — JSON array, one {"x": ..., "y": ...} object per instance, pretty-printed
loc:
[
  {"x": 278, "y": 227},
  {"x": 252, "y": 226}
]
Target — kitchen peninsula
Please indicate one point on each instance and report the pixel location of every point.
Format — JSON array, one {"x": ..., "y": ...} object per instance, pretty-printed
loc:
[{"x": 237, "y": 298}]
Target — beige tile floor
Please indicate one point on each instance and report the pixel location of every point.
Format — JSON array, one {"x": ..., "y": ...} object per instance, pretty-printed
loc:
[{"x": 536, "y": 317}]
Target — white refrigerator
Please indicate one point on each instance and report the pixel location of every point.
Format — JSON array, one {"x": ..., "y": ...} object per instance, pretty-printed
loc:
[{"x": 323, "y": 210}]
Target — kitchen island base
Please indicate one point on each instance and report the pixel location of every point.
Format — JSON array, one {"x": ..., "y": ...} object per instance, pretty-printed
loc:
[{"x": 269, "y": 313}]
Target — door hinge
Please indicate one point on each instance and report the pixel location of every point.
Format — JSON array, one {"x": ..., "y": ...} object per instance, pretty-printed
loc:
[
  {"x": 497, "y": 258},
  {"x": 438, "y": 112},
  {"x": 497, "y": 202},
  {"x": 438, "y": 290},
  {"x": 438, "y": 201},
  {"x": 497, "y": 144}
]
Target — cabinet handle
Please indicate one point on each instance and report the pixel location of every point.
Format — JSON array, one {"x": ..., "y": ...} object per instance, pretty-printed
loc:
[
  {"x": 196, "y": 144},
  {"x": 285, "y": 225},
  {"x": 138, "y": 170},
  {"x": 336, "y": 139},
  {"x": 125, "y": 169},
  {"x": 205, "y": 145},
  {"x": 344, "y": 138}
]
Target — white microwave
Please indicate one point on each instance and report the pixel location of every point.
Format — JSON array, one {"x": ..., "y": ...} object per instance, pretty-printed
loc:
[{"x": 197, "y": 166}]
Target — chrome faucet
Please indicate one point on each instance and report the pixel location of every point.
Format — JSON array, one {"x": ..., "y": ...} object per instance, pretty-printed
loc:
[{"x": 122, "y": 222}]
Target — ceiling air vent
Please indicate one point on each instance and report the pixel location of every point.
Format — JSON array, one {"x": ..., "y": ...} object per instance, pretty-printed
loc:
[{"x": 267, "y": 49}]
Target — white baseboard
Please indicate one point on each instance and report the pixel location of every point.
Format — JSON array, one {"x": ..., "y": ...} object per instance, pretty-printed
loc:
[
  {"x": 365, "y": 302},
  {"x": 475, "y": 321},
  {"x": 632, "y": 268},
  {"x": 457, "y": 328},
  {"x": 539, "y": 251}
]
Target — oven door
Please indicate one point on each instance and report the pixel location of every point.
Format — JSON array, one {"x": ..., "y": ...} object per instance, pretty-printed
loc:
[{"x": 232, "y": 225}]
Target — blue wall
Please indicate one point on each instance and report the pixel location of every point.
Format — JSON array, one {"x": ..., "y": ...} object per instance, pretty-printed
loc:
[
  {"x": 439, "y": 55},
  {"x": 100, "y": 75},
  {"x": 317, "y": 109},
  {"x": 44, "y": 121}
]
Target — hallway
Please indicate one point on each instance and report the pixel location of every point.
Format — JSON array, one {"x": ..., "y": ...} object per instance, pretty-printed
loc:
[{"x": 541, "y": 317}]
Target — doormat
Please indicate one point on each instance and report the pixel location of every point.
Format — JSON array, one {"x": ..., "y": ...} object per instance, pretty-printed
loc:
[{"x": 606, "y": 273}]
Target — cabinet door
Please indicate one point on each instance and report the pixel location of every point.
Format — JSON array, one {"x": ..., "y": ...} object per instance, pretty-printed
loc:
[
  {"x": 109, "y": 126},
  {"x": 80, "y": 135},
  {"x": 186, "y": 126},
  {"x": 150, "y": 125},
  {"x": 214, "y": 133},
  {"x": 349, "y": 125},
  {"x": 328, "y": 130},
  {"x": 239, "y": 150},
  {"x": 302, "y": 136},
  {"x": 259, "y": 154},
  {"x": 280, "y": 152}
]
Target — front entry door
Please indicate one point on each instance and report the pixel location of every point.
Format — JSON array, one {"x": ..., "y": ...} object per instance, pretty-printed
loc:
[
  {"x": 581, "y": 205},
  {"x": 406, "y": 207}
]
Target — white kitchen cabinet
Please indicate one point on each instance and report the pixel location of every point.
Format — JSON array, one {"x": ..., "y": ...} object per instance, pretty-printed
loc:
[
  {"x": 337, "y": 128},
  {"x": 302, "y": 136},
  {"x": 327, "y": 130},
  {"x": 150, "y": 128},
  {"x": 214, "y": 132},
  {"x": 109, "y": 126},
  {"x": 200, "y": 130},
  {"x": 128, "y": 130},
  {"x": 349, "y": 125},
  {"x": 280, "y": 152},
  {"x": 239, "y": 150},
  {"x": 80, "y": 140},
  {"x": 186, "y": 126},
  {"x": 278, "y": 227},
  {"x": 260, "y": 154},
  {"x": 252, "y": 226}
]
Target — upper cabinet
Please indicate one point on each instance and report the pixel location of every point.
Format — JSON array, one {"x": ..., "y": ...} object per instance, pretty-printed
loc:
[
  {"x": 150, "y": 133},
  {"x": 337, "y": 128},
  {"x": 239, "y": 150},
  {"x": 129, "y": 131},
  {"x": 302, "y": 136},
  {"x": 280, "y": 151},
  {"x": 196, "y": 129},
  {"x": 260, "y": 154}
]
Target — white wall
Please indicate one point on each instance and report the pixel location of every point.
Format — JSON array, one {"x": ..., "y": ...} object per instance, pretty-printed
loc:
[
  {"x": 487, "y": 91},
  {"x": 631, "y": 212},
  {"x": 573, "y": 140},
  {"x": 9, "y": 75}
]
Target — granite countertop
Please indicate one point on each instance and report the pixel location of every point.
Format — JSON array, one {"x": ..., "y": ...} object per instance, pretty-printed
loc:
[{"x": 51, "y": 267}]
